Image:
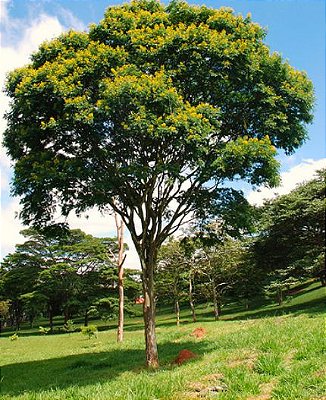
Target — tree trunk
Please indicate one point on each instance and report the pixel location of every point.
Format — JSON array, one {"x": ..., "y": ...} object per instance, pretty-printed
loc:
[
  {"x": 191, "y": 301},
  {"x": 149, "y": 313},
  {"x": 215, "y": 302},
  {"x": 18, "y": 318},
  {"x": 280, "y": 296},
  {"x": 66, "y": 315},
  {"x": 120, "y": 261},
  {"x": 86, "y": 318},
  {"x": 51, "y": 318},
  {"x": 246, "y": 304},
  {"x": 177, "y": 311}
]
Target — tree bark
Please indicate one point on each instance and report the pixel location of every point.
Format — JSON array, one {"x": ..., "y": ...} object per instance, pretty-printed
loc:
[
  {"x": 191, "y": 301},
  {"x": 86, "y": 318},
  {"x": 149, "y": 312},
  {"x": 50, "y": 318},
  {"x": 177, "y": 311},
  {"x": 120, "y": 261},
  {"x": 215, "y": 302}
]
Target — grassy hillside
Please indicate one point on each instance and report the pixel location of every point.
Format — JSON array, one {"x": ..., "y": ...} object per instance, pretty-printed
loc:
[{"x": 266, "y": 353}]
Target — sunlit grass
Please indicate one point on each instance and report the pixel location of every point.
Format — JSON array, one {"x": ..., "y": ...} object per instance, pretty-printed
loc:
[{"x": 280, "y": 357}]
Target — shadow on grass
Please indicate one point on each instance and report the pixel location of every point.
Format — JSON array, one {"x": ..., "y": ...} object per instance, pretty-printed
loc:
[
  {"x": 232, "y": 312},
  {"x": 86, "y": 369},
  {"x": 315, "y": 306}
]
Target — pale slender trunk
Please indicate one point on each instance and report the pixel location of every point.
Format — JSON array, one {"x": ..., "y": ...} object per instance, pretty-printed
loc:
[
  {"x": 149, "y": 313},
  {"x": 191, "y": 301},
  {"x": 215, "y": 302},
  {"x": 177, "y": 311},
  {"x": 120, "y": 261}
]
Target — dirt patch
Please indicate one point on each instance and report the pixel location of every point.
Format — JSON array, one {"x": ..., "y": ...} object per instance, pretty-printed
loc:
[
  {"x": 289, "y": 357},
  {"x": 199, "y": 333},
  {"x": 321, "y": 373},
  {"x": 266, "y": 391},
  {"x": 183, "y": 356},
  {"x": 208, "y": 386},
  {"x": 248, "y": 359}
]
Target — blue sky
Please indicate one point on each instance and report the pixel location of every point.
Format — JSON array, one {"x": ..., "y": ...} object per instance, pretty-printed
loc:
[{"x": 296, "y": 29}]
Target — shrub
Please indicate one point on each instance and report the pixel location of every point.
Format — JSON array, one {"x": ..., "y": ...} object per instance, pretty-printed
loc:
[
  {"x": 90, "y": 330},
  {"x": 43, "y": 330},
  {"x": 14, "y": 337},
  {"x": 69, "y": 326}
]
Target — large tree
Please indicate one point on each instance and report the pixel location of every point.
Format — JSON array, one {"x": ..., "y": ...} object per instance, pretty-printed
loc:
[{"x": 149, "y": 113}]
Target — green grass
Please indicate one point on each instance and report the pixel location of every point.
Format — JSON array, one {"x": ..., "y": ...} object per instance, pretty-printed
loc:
[{"x": 266, "y": 353}]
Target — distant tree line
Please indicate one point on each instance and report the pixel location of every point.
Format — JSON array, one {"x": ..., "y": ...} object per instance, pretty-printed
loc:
[{"x": 69, "y": 274}]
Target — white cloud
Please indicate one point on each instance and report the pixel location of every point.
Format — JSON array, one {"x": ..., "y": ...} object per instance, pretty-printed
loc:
[
  {"x": 302, "y": 172},
  {"x": 10, "y": 227}
]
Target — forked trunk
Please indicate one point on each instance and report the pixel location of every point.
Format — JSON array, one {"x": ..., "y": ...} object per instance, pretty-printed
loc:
[{"x": 149, "y": 314}]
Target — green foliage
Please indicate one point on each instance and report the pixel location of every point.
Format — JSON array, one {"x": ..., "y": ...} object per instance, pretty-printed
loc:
[
  {"x": 4, "y": 308},
  {"x": 43, "y": 330},
  {"x": 203, "y": 100},
  {"x": 90, "y": 331},
  {"x": 47, "y": 274},
  {"x": 292, "y": 233},
  {"x": 14, "y": 337},
  {"x": 172, "y": 272},
  {"x": 69, "y": 326},
  {"x": 107, "y": 308}
]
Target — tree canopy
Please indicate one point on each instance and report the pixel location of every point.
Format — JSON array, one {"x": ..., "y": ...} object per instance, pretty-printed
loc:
[
  {"x": 292, "y": 232},
  {"x": 65, "y": 274},
  {"x": 150, "y": 113}
]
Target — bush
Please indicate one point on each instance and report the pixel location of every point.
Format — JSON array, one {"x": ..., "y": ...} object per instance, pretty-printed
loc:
[
  {"x": 90, "y": 330},
  {"x": 43, "y": 330},
  {"x": 14, "y": 337},
  {"x": 69, "y": 326}
]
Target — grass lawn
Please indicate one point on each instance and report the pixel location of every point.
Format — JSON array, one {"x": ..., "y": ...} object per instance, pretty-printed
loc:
[{"x": 266, "y": 353}]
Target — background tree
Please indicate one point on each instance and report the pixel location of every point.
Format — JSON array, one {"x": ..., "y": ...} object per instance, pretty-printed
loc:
[
  {"x": 68, "y": 273},
  {"x": 149, "y": 113},
  {"x": 291, "y": 242},
  {"x": 4, "y": 312},
  {"x": 221, "y": 264},
  {"x": 172, "y": 275}
]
